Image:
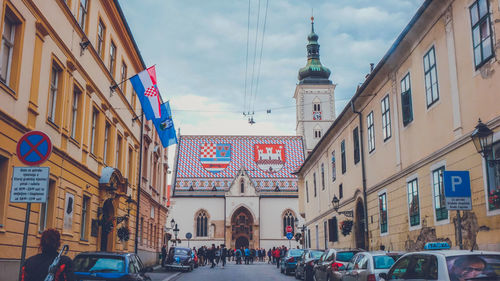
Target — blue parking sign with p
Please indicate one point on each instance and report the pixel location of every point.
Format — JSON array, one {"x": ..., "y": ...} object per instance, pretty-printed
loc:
[{"x": 457, "y": 190}]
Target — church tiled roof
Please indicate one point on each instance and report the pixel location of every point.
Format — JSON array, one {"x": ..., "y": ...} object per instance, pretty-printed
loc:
[{"x": 207, "y": 163}]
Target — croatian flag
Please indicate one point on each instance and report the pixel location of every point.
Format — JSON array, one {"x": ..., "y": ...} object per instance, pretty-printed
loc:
[{"x": 145, "y": 86}]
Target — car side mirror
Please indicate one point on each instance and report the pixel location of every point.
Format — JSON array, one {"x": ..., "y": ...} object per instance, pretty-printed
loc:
[{"x": 383, "y": 275}]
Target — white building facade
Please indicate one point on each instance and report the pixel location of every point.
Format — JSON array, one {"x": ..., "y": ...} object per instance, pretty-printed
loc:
[{"x": 236, "y": 190}]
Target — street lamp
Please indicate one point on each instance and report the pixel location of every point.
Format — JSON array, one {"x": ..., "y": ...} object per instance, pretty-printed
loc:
[
  {"x": 176, "y": 232},
  {"x": 482, "y": 137},
  {"x": 172, "y": 223},
  {"x": 336, "y": 205}
]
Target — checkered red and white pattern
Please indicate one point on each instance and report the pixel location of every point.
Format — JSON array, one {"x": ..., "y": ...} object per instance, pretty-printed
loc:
[
  {"x": 208, "y": 150},
  {"x": 151, "y": 92}
]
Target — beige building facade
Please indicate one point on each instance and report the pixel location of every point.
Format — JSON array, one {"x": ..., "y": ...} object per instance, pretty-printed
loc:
[{"x": 410, "y": 120}]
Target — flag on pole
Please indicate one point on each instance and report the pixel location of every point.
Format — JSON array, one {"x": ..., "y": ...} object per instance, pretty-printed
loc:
[
  {"x": 144, "y": 84},
  {"x": 165, "y": 126}
]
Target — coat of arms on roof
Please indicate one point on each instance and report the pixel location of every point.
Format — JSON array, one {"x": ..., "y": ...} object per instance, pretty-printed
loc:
[
  {"x": 215, "y": 157},
  {"x": 269, "y": 157}
]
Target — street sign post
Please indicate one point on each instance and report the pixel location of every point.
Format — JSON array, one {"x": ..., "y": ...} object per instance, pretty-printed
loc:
[
  {"x": 188, "y": 237},
  {"x": 30, "y": 184},
  {"x": 458, "y": 196},
  {"x": 289, "y": 236},
  {"x": 289, "y": 228}
]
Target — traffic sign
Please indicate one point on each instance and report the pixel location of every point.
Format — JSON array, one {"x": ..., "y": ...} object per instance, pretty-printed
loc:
[
  {"x": 289, "y": 235},
  {"x": 457, "y": 190},
  {"x": 289, "y": 228},
  {"x": 29, "y": 185},
  {"x": 34, "y": 148},
  {"x": 189, "y": 235}
]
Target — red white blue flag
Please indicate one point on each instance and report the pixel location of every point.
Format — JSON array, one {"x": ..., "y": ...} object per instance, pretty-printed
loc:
[{"x": 145, "y": 86}]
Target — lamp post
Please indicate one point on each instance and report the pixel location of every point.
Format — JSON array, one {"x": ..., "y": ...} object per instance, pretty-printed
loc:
[
  {"x": 336, "y": 205},
  {"x": 176, "y": 232},
  {"x": 482, "y": 137},
  {"x": 302, "y": 234}
]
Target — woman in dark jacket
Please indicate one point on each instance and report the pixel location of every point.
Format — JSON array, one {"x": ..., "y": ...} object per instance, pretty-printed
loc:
[{"x": 36, "y": 268}]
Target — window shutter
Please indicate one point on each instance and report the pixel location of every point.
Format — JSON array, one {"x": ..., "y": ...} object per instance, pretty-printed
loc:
[{"x": 333, "y": 234}]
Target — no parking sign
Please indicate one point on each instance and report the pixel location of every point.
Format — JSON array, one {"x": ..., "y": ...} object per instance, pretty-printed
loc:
[{"x": 34, "y": 148}]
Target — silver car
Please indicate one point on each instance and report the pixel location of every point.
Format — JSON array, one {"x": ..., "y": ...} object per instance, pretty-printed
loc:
[{"x": 366, "y": 266}]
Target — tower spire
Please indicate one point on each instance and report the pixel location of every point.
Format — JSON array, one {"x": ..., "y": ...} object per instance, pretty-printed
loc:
[{"x": 313, "y": 72}]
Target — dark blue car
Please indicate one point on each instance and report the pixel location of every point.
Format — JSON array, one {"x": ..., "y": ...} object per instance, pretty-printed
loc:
[
  {"x": 289, "y": 261},
  {"x": 110, "y": 266}
]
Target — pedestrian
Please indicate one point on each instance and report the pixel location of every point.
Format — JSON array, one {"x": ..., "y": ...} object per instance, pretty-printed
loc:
[
  {"x": 163, "y": 254},
  {"x": 211, "y": 255},
  {"x": 247, "y": 255},
  {"x": 252, "y": 255},
  {"x": 36, "y": 268},
  {"x": 238, "y": 254},
  {"x": 223, "y": 255},
  {"x": 217, "y": 255},
  {"x": 269, "y": 255}
]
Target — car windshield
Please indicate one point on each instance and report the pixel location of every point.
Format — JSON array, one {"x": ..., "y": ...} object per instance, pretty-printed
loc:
[
  {"x": 316, "y": 254},
  {"x": 474, "y": 267},
  {"x": 295, "y": 252},
  {"x": 344, "y": 256},
  {"x": 88, "y": 263},
  {"x": 182, "y": 252},
  {"x": 383, "y": 262}
]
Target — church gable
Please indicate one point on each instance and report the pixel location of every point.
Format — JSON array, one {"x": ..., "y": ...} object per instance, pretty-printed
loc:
[
  {"x": 242, "y": 186},
  {"x": 212, "y": 163}
]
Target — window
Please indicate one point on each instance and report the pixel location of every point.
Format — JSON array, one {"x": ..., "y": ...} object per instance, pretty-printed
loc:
[
  {"x": 118, "y": 157},
  {"x": 355, "y": 138},
  {"x": 413, "y": 202},
  {"x": 107, "y": 128},
  {"x": 84, "y": 220},
  {"x": 316, "y": 106},
  {"x": 309, "y": 238},
  {"x": 493, "y": 176},
  {"x": 123, "y": 85},
  {"x": 242, "y": 187},
  {"x": 82, "y": 15},
  {"x": 112, "y": 58},
  {"x": 307, "y": 192},
  {"x": 101, "y": 32},
  {"x": 333, "y": 231},
  {"x": 93, "y": 131},
  {"x": 316, "y": 109},
  {"x": 202, "y": 224},
  {"x": 386, "y": 118},
  {"x": 431, "y": 80},
  {"x": 342, "y": 154},
  {"x": 421, "y": 267},
  {"x": 371, "y": 132},
  {"x": 317, "y": 237},
  {"x": 317, "y": 133},
  {"x": 46, "y": 208},
  {"x": 438, "y": 192},
  {"x": 482, "y": 41},
  {"x": 325, "y": 233},
  {"x": 382, "y": 205},
  {"x": 54, "y": 92},
  {"x": 314, "y": 182},
  {"x": 8, "y": 45},
  {"x": 341, "y": 191},
  {"x": 322, "y": 176},
  {"x": 406, "y": 106},
  {"x": 334, "y": 168},
  {"x": 130, "y": 163},
  {"x": 288, "y": 220},
  {"x": 142, "y": 230},
  {"x": 75, "y": 112},
  {"x": 4, "y": 179}
]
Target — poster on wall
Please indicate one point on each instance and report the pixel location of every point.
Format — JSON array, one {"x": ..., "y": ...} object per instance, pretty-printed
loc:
[{"x": 68, "y": 211}]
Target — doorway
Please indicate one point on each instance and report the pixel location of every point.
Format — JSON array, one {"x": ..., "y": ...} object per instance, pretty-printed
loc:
[
  {"x": 108, "y": 214},
  {"x": 242, "y": 228},
  {"x": 360, "y": 225},
  {"x": 241, "y": 242}
]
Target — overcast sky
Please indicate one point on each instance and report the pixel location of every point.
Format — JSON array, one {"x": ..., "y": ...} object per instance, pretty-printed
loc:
[{"x": 200, "y": 47}]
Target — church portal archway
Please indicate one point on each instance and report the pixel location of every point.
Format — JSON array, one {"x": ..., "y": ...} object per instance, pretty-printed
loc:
[
  {"x": 359, "y": 229},
  {"x": 242, "y": 225}
]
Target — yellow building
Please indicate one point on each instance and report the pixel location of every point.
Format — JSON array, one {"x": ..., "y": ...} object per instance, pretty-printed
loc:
[
  {"x": 59, "y": 59},
  {"x": 410, "y": 120}
]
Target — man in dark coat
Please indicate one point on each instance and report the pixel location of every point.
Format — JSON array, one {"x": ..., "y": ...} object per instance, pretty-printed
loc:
[
  {"x": 163, "y": 254},
  {"x": 211, "y": 256}
]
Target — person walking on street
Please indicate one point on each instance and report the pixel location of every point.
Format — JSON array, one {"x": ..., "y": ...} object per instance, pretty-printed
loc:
[
  {"x": 211, "y": 255},
  {"x": 163, "y": 254},
  {"x": 223, "y": 255},
  {"x": 36, "y": 268},
  {"x": 238, "y": 255},
  {"x": 217, "y": 255},
  {"x": 269, "y": 255},
  {"x": 247, "y": 255}
]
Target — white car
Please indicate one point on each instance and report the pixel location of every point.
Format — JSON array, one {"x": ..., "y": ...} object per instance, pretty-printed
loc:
[{"x": 446, "y": 265}]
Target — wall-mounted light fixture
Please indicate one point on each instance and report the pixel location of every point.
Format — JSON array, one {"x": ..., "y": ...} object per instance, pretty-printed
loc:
[{"x": 336, "y": 205}]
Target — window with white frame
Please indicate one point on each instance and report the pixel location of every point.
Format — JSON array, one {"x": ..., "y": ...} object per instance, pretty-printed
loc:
[
  {"x": 431, "y": 79},
  {"x": 74, "y": 111},
  {"x": 101, "y": 31},
  {"x": 85, "y": 217},
  {"x": 371, "y": 132},
  {"x": 406, "y": 101},
  {"x": 342, "y": 156},
  {"x": 386, "y": 118},
  {"x": 93, "y": 131},
  {"x": 438, "y": 193},
  {"x": 334, "y": 167},
  {"x": 53, "y": 94},
  {"x": 382, "y": 205},
  {"x": 493, "y": 175},
  {"x": 355, "y": 139},
  {"x": 322, "y": 176},
  {"x": 106, "y": 142},
  {"x": 83, "y": 11},
  {"x": 8, "y": 40},
  {"x": 314, "y": 184},
  {"x": 482, "y": 40},
  {"x": 413, "y": 202}
]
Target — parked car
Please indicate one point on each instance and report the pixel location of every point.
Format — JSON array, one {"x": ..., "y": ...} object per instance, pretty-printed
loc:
[
  {"x": 333, "y": 261},
  {"x": 305, "y": 265},
  {"x": 289, "y": 262},
  {"x": 366, "y": 266},
  {"x": 179, "y": 258},
  {"x": 109, "y": 266},
  {"x": 445, "y": 265}
]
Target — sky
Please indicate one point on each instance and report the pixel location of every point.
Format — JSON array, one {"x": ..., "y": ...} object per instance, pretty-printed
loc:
[{"x": 200, "y": 51}]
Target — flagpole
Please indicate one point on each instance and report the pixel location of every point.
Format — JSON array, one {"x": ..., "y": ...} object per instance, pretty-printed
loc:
[
  {"x": 139, "y": 185},
  {"x": 116, "y": 85}
]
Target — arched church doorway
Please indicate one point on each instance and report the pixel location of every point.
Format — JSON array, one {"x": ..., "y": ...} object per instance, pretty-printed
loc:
[
  {"x": 108, "y": 215},
  {"x": 359, "y": 230},
  {"x": 241, "y": 242},
  {"x": 242, "y": 225}
]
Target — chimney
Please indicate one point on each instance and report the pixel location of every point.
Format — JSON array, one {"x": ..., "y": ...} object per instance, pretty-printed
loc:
[{"x": 371, "y": 67}]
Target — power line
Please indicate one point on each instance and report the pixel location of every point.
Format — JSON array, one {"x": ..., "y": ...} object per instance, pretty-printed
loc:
[
  {"x": 254, "y": 53},
  {"x": 246, "y": 60},
  {"x": 260, "y": 59}
]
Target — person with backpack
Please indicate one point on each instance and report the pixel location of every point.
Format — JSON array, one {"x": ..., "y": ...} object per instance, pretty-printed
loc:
[
  {"x": 36, "y": 268},
  {"x": 238, "y": 254}
]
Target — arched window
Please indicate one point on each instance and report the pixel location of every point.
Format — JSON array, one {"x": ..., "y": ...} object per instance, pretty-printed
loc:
[
  {"x": 201, "y": 224},
  {"x": 288, "y": 220},
  {"x": 242, "y": 187}
]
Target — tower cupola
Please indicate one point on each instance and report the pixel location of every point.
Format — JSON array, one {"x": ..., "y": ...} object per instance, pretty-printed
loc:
[{"x": 314, "y": 72}]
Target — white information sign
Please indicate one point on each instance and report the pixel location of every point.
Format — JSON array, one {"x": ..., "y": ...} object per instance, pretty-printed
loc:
[{"x": 30, "y": 185}]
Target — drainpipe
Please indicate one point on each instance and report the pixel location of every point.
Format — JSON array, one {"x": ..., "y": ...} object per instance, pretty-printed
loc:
[
  {"x": 363, "y": 173},
  {"x": 139, "y": 181}
]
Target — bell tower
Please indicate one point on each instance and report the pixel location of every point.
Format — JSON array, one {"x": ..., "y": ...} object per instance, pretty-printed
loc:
[{"x": 314, "y": 96}]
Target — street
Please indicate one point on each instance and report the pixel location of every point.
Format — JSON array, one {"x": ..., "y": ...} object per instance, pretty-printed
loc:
[{"x": 252, "y": 272}]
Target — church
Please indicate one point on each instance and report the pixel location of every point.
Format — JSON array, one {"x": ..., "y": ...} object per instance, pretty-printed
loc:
[{"x": 241, "y": 191}]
